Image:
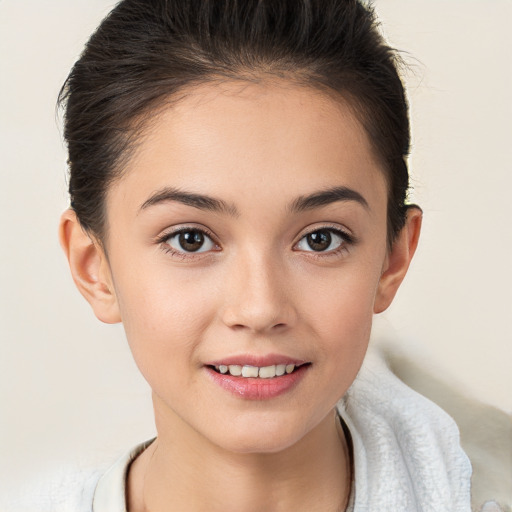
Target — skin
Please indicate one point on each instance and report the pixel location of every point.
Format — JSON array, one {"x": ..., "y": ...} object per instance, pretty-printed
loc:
[{"x": 258, "y": 288}]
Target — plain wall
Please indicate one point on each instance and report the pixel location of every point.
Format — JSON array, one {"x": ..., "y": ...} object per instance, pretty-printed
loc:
[{"x": 69, "y": 390}]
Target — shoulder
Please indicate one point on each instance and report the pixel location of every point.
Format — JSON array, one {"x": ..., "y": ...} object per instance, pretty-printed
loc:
[
  {"x": 379, "y": 398},
  {"x": 485, "y": 431},
  {"x": 63, "y": 490},
  {"x": 73, "y": 489},
  {"x": 407, "y": 454},
  {"x": 405, "y": 443}
]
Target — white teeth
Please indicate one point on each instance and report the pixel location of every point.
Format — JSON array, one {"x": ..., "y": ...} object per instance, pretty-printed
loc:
[
  {"x": 267, "y": 372},
  {"x": 264, "y": 372},
  {"x": 235, "y": 370},
  {"x": 280, "y": 369},
  {"x": 249, "y": 371}
]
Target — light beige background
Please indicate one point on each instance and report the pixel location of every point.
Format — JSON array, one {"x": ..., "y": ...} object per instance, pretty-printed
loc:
[{"x": 69, "y": 390}]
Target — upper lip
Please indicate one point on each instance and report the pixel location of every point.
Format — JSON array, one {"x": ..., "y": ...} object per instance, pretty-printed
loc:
[{"x": 256, "y": 360}]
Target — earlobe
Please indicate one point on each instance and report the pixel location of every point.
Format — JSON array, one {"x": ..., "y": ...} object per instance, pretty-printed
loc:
[
  {"x": 398, "y": 260},
  {"x": 89, "y": 268}
]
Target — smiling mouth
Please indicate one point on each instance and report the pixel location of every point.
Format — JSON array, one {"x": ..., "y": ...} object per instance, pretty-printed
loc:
[{"x": 261, "y": 372}]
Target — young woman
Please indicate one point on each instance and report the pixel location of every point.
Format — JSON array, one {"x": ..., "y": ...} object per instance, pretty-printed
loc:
[{"x": 238, "y": 185}]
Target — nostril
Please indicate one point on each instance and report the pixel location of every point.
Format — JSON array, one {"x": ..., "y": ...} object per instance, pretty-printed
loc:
[
  {"x": 240, "y": 327},
  {"x": 257, "y": 315}
]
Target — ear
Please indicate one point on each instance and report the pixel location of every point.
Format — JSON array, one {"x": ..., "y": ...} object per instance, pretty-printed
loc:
[
  {"x": 398, "y": 259},
  {"x": 89, "y": 268}
]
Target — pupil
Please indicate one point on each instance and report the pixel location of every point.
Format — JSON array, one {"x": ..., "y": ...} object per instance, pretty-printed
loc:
[
  {"x": 319, "y": 240},
  {"x": 191, "y": 240}
]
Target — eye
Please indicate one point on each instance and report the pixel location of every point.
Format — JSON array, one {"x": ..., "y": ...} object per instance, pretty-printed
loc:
[
  {"x": 189, "y": 240},
  {"x": 323, "y": 240}
]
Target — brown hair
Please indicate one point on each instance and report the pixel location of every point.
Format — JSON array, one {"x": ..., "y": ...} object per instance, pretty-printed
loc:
[{"x": 145, "y": 52}]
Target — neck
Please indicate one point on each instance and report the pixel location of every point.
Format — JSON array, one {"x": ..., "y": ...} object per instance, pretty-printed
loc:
[{"x": 192, "y": 474}]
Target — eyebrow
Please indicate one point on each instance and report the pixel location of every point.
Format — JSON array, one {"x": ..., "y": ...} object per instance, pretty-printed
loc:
[
  {"x": 199, "y": 201},
  {"x": 204, "y": 202},
  {"x": 327, "y": 196}
]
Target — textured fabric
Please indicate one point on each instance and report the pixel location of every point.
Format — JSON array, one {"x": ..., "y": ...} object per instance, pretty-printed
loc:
[
  {"x": 485, "y": 431},
  {"x": 110, "y": 493},
  {"x": 407, "y": 456},
  {"x": 64, "y": 490}
]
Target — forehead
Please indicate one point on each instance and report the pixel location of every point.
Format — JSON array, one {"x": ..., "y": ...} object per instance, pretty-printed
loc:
[{"x": 241, "y": 140}]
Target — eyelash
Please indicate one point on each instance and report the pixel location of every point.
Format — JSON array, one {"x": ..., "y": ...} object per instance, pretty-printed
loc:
[
  {"x": 162, "y": 241},
  {"x": 348, "y": 240}
]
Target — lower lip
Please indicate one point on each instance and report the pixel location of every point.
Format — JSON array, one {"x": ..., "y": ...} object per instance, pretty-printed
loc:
[{"x": 257, "y": 388}]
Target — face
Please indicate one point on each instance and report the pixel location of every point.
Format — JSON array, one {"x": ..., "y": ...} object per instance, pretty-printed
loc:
[{"x": 248, "y": 233}]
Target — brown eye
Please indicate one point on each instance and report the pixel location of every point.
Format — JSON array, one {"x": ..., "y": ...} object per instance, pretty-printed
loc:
[
  {"x": 190, "y": 240},
  {"x": 319, "y": 240},
  {"x": 322, "y": 240}
]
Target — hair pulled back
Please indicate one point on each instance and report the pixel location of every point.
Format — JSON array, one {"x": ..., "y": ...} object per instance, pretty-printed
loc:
[{"x": 146, "y": 53}]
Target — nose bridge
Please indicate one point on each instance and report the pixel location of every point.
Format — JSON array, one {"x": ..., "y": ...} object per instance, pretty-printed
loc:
[{"x": 256, "y": 296}]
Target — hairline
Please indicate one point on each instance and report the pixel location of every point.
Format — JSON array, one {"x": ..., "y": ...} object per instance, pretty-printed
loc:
[{"x": 139, "y": 125}]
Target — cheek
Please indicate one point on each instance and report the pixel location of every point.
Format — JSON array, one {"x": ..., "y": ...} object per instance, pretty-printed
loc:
[
  {"x": 164, "y": 316},
  {"x": 341, "y": 311}
]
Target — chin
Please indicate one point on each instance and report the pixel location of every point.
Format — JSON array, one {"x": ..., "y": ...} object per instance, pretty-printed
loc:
[
  {"x": 263, "y": 436},
  {"x": 257, "y": 446}
]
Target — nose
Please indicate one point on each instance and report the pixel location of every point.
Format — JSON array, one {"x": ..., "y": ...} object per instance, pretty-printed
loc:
[{"x": 257, "y": 295}]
